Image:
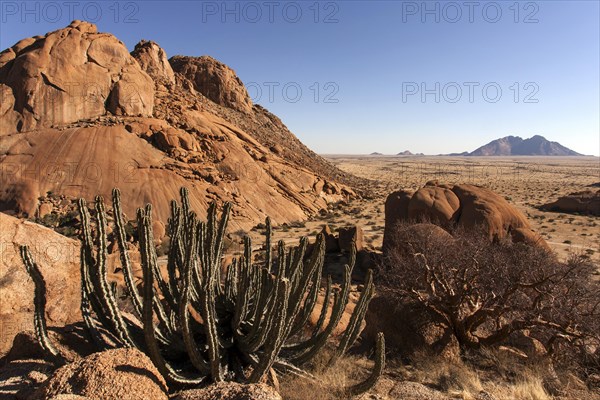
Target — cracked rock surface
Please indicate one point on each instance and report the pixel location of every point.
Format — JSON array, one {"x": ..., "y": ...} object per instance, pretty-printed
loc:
[
  {"x": 81, "y": 115},
  {"x": 68, "y": 75}
]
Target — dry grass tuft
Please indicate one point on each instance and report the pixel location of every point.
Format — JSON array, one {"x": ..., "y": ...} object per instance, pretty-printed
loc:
[
  {"x": 530, "y": 388},
  {"x": 452, "y": 377},
  {"x": 331, "y": 381}
]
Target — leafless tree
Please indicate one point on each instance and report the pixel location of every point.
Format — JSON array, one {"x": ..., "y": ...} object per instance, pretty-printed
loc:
[{"x": 484, "y": 291}]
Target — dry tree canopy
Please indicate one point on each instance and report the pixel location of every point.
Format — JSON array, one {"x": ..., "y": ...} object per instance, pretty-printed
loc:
[{"x": 485, "y": 290}]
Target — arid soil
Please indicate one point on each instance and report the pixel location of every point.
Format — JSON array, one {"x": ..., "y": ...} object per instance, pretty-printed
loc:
[{"x": 526, "y": 182}]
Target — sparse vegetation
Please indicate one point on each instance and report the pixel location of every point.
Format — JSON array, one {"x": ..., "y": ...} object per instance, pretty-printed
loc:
[
  {"x": 484, "y": 291},
  {"x": 199, "y": 325}
]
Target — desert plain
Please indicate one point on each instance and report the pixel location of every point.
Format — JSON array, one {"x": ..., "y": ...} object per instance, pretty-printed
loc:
[{"x": 526, "y": 182}]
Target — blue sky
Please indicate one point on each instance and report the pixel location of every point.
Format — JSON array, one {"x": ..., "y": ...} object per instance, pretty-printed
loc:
[{"x": 378, "y": 76}]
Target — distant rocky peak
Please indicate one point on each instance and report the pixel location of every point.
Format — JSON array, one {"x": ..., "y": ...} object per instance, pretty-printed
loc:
[{"x": 536, "y": 145}]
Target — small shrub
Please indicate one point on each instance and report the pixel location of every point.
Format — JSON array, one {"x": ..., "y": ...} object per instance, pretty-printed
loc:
[{"x": 50, "y": 220}]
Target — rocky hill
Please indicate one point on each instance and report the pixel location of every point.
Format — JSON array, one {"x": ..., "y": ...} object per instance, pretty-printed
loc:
[
  {"x": 515, "y": 146},
  {"x": 80, "y": 114},
  {"x": 409, "y": 153}
]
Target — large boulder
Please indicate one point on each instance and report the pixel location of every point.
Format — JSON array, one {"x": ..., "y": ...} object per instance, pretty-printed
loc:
[
  {"x": 153, "y": 60},
  {"x": 463, "y": 205},
  {"x": 396, "y": 210},
  {"x": 58, "y": 260},
  {"x": 482, "y": 207},
  {"x": 331, "y": 242},
  {"x": 584, "y": 202},
  {"x": 436, "y": 204},
  {"x": 351, "y": 236},
  {"x": 230, "y": 391},
  {"x": 407, "y": 241},
  {"x": 214, "y": 80},
  {"x": 71, "y": 74},
  {"x": 118, "y": 374}
]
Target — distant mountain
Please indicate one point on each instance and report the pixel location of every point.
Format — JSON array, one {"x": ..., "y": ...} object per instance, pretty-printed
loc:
[
  {"x": 515, "y": 146},
  {"x": 408, "y": 153},
  {"x": 375, "y": 154}
]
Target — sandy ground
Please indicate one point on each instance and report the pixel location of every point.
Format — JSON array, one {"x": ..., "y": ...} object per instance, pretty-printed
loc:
[{"x": 526, "y": 182}]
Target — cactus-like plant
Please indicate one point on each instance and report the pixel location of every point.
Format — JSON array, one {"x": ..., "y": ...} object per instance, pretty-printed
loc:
[{"x": 197, "y": 324}]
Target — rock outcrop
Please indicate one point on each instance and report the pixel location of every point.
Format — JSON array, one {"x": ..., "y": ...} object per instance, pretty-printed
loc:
[
  {"x": 516, "y": 146},
  {"x": 153, "y": 60},
  {"x": 230, "y": 391},
  {"x": 462, "y": 205},
  {"x": 584, "y": 202},
  {"x": 214, "y": 80},
  {"x": 68, "y": 75},
  {"x": 118, "y": 374},
  {"x": 149, "y": 127},
  {"x": 220, "y": 166},
  {"x": 58, "y": 260},
  {"x": 349, "y": 236}
]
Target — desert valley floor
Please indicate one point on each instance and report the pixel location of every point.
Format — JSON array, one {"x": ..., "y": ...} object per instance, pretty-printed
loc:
[{"x": 526, "y": 182}]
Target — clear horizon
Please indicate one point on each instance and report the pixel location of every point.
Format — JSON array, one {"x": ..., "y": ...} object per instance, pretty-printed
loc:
[{"x": 359, "y": 77}]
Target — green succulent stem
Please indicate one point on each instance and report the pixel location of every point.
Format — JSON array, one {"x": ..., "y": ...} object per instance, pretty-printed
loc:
[{"x": 199, "y": 320}]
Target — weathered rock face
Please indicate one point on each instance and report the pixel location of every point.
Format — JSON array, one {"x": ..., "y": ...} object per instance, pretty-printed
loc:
[
  {"x": 480, "y": 206},
  {"x": 153, "y": 60},
  {"x": 197, "y": 138},
  {"x": 407, "y": 390},
  {"x": 436, "y": 204},
  {"x": 58, "y": 259},
  {"x": 93, "y": 160},
  {"x": 71, "y": 74},
  {"x": 230, "y": 391},
  {"x": 416, "y": 234},
  {"x": 396, "y": 209},
  {"x": 118, "y": 374},
  {"x": 9, "y": 118},
  {"x": 460, "y": 205},
  {"x": 351, "y": 236},
  {"x": 214, "y": 80},
  {"x": 585, "y": 202}
]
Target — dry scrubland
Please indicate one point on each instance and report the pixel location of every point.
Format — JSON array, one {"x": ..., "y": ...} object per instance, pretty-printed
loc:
[
  {"x": 223, "y": 148},
  {"x": 526, "y": 182}
]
